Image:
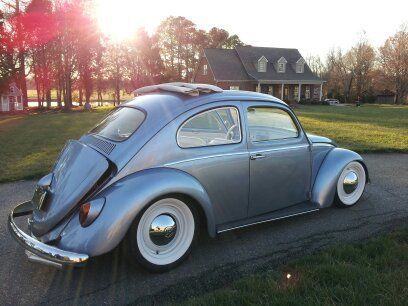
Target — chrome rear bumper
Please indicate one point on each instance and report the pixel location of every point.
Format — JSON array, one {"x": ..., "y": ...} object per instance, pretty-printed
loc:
[{"x": 38, "y": 251}]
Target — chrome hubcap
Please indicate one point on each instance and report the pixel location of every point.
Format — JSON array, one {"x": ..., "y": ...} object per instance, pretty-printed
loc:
[
  {"x": 350, "y": 182},
  {"x": 162, "y": 229}
]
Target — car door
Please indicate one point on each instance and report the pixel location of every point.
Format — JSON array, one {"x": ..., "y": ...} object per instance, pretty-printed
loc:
[{"x": 280, "y": 162}]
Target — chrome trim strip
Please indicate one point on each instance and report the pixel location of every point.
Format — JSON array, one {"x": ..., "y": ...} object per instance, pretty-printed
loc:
[
  {"x": 322, "y": 144},
  {"x": 280, "y": 149},
  {"x": 269, "y": 220},
  {"x": 205, "y": 157},
  {"x": 45, "y": 251},
  {"x": 232, "y": 154}
]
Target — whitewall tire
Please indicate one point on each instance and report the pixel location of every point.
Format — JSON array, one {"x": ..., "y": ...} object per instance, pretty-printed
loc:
[
  {"x": 162, "y": 235},
  {"x": 351, "y": 184}
]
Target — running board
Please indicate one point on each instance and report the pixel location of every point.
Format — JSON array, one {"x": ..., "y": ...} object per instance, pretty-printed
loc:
[{"x": 295, "y": 210}]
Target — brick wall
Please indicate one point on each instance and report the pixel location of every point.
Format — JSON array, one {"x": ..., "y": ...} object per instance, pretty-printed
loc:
[{"x": 200, "y": 77}]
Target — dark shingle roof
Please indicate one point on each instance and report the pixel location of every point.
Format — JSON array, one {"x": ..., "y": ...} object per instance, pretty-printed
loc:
[
  {"x": 241, "y": 64},
  {"x": 225, "y": 64}
]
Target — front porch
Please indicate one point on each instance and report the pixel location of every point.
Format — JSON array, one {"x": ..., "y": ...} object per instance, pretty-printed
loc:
[{"x": 292, "y": 92}]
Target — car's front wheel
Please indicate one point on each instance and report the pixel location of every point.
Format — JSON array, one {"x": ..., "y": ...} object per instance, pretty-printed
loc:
[
  {"x": 351, "y": 184},
  {"x": 161, "y": 237}
]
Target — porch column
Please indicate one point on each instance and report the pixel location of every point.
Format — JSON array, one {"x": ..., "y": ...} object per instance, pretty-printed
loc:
[
  {"x": 258, "y": 88},
  {"x": 299, "y": 91},
  {"x": 321, "y": 92},
  {"x": 283, "y": 85}
]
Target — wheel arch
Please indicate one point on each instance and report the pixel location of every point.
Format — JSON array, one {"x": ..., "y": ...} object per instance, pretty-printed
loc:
[
  {"x": 125, "y": 199},
  {"x": 324, "y": 187}
]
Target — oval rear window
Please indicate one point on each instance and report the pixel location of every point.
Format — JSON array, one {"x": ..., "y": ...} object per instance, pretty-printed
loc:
[{"x": 119, "y": 124}]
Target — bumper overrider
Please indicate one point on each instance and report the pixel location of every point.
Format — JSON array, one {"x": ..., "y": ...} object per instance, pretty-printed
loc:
[{"x": 38, "y": 251}]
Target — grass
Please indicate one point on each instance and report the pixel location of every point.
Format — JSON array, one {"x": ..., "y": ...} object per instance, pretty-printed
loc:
[
  {"x": 370, "y": 273},
  {"x": 371, "y": 128},
  {"x": 31, "y": 143}
]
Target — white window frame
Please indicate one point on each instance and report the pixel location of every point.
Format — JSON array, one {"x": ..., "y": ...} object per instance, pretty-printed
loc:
[
  {"x": 12, "y": 89},
  {"x": 282, "y": 65},
  {"x": 300, "y": 65},
  {"x": 234, "y": 87},
  {"x": 262, "y": 64},
  {"x": 205, "y": 69}
]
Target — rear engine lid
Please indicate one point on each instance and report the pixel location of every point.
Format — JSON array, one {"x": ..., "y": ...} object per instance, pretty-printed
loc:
[{"x": 78, "y": 169}]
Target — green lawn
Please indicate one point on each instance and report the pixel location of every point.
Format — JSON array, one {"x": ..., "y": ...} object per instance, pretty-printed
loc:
[
  {"x": 30, "y": 143},
  {"x": 370, "y": 128},
  {"x": 369, "y": 273}
]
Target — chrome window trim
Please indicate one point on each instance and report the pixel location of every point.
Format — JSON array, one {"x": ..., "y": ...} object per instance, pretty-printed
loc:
[
  {"x": 204, "y": 112},
  {"x": 295, "y": 122}
]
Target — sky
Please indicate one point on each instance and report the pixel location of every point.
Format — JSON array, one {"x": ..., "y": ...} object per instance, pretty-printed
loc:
[{"x": 314, "y": 26}]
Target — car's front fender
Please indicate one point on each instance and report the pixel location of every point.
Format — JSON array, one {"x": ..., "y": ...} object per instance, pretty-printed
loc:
[
  {"x": 125, "y": 199},
  {"x": 324, "y": 188}
]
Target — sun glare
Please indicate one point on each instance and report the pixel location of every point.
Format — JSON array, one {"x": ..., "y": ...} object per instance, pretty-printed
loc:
[{"x": 120, "y": 19}]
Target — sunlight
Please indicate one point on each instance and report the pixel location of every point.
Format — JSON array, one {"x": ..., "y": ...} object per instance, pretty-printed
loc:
[{"x": 120, "y": 19}]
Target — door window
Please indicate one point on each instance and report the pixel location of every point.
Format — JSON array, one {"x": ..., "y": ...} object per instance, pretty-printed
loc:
[
  {"x": 215, "y": 127},
  {"x": 268, "y": 123}
]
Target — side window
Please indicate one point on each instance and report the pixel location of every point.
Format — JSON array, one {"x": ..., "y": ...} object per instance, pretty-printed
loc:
[
  {"x": 214, "y": 127},
  {"x": 268, "y": 123}
]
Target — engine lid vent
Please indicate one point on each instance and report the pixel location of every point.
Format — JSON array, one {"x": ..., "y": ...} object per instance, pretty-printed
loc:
[{"x": 103, "y": 145}]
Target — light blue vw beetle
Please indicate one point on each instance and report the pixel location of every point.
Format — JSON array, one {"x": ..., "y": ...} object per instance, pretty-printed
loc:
[{"x": 178, "y": 157}]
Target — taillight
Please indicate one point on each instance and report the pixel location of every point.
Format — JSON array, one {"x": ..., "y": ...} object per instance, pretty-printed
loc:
[
  {"x": 89, "y": 211},
  {"x": 83, "y": 213}
]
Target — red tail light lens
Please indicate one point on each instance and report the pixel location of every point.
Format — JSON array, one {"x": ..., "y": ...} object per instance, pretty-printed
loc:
[
  {"x": 89, "y": 211},
  {"x": 83, "y": 213}
]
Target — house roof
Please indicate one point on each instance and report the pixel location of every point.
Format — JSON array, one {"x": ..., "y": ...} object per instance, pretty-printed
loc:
[
  {"x": 7, "y": 92},
  {"x": 241, "y": 64},
  {"x": 226, "y": 65}
]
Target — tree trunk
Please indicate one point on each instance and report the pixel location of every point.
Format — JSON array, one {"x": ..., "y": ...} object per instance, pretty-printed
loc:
[
  {"x": 81, "y": 98},
  {"x": 48, "y": 97}
]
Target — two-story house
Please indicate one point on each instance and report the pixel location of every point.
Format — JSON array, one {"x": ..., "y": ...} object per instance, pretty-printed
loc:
[{"x": 280, "y": 72}]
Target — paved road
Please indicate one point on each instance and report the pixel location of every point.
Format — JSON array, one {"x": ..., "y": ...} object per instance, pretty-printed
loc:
[{"x": 213, "y": 262}]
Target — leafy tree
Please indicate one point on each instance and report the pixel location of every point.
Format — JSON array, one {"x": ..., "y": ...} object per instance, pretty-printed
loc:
[
  {"x": 143, "y": 63},
  {"x": 115, "y": 68},
  {"x": 39, "y": 36}
]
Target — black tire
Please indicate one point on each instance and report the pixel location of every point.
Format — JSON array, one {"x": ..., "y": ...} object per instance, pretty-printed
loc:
[{"x": 135, "y": 255}]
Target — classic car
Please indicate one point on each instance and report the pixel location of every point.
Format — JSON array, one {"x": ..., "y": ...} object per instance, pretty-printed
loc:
[{"x": 176, "y": 158}]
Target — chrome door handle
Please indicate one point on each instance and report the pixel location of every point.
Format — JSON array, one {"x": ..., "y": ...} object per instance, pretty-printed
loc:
[{"x": 256, "y": 156}]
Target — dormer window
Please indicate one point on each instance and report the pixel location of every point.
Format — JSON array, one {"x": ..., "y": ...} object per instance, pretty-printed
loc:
[
  {"x": 262, "y": 64},
  {"x": 282, "y": 65},
  {"x": 300, "y": 65},
  {"x": 11, "y": 89}
]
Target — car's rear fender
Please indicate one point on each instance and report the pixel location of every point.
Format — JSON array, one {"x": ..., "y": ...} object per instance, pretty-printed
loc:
[
  {"x": 324, "y": 188},
  {"x": 125, "y": 199}
]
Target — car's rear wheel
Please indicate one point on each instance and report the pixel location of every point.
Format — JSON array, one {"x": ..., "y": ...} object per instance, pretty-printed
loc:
[
  {"x": 351, "y": 184},
  {"x": 162, "y": 235}
]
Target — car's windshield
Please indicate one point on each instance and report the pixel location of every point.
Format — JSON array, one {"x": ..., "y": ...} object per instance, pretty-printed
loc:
[{"x": 119, "y": 124}]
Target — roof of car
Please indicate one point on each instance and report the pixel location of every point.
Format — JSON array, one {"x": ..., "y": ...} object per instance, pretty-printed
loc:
[{"x": 169, "y": 104}]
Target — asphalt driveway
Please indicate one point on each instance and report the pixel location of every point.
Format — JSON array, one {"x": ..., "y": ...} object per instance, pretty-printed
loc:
[{"x": 213, "y": 262}]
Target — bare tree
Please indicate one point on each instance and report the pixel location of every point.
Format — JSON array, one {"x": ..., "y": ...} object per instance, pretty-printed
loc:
[
  {"x": 360, "y": 60},
  {"x": 394, "y": 62}
]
